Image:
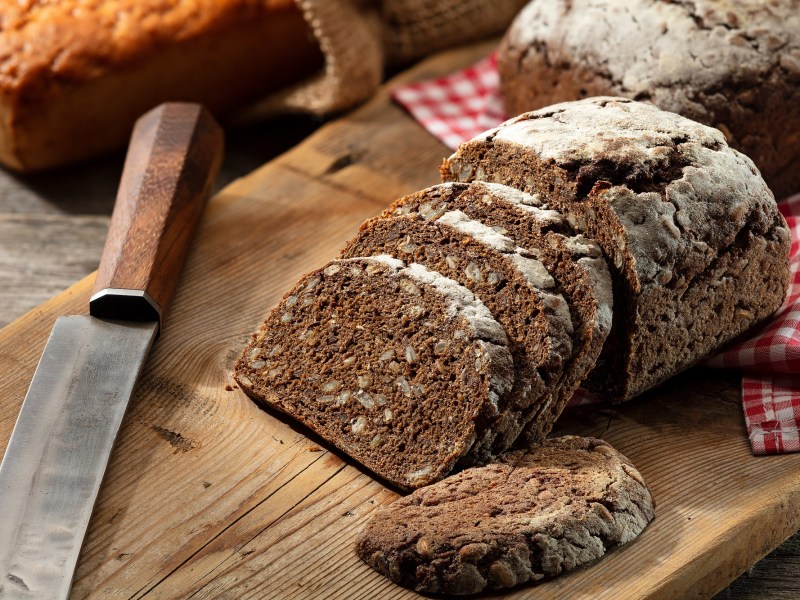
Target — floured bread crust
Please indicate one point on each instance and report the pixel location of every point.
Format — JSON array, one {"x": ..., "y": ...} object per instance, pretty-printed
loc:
[
  {"x": 697, "y": 247},
  {"x": 732, "y": 65},
  {"x": 534, "y": 515}
]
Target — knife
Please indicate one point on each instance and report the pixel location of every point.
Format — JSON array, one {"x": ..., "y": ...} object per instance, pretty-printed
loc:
[{"x": 62, "y": 440}]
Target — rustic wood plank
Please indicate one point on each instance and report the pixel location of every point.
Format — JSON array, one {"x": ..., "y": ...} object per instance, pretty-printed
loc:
[
  {"x": 86, "y": 189},
  {"x": 207, "y": 496},
  {"x": 775, "y": 577},
  {"x": 89, "y": 188},
  {"x": 42, "y": 254}
]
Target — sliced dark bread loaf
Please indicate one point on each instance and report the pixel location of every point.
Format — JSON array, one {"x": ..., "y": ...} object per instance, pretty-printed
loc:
[
  {"x": 517, "y": 289},
  {"x": 575, "y": 263},
  {"x": 399, "y": 367},
  {"x": 697, "y": 247},
  {"x": 534, "y": 515}
]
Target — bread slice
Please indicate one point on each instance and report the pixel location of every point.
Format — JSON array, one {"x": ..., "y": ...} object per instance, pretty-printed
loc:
[
  {"x": 515, "y": 287},
  {"x": 398, "y": 366},
  {"x": 696, "y": 245},
  {"x": 575, "y": 263},
  {"x": 533, "y": 515}
]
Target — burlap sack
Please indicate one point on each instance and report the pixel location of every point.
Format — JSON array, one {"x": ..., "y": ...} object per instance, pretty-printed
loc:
[
  {"x": 415, "y": 28},
  {"x": 360, "y": 37}
]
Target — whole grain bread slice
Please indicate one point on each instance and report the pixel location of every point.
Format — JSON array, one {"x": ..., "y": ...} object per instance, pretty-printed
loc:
[{"x": 397, "y": 366}]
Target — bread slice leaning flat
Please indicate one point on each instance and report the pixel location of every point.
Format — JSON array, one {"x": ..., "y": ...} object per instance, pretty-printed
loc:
[
  {"x": 534, "y": 515},
  {"x": 397, "y": 366}
]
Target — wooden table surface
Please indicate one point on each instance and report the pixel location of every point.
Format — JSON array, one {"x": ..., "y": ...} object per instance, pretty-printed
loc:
[{"x": 53, "y": 225}]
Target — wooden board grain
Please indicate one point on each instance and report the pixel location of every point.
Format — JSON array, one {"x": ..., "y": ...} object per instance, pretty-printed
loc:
[{"x": 208, "y": 496}]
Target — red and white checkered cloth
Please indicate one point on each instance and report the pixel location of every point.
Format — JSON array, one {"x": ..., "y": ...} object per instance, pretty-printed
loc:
[
  {"x": 771, "y": 362},
  {"x": 458, "y": 107}
]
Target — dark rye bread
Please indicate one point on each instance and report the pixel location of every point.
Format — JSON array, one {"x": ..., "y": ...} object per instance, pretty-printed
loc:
[
  {"x": 517, "y": 289},
  {"x": 731, "y": 65},
  {"x": 535, "y": 515},
  {"x": 397, "y": 366},
  {"x": 696, "y": 245},
  {"x": 575, "y": 263}
]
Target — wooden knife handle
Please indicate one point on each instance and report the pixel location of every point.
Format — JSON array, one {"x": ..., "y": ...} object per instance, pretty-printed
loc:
[{"x": 172, "y": 162}]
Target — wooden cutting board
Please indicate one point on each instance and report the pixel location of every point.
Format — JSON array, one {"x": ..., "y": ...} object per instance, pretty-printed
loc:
[{"x": 208, "y": 496}]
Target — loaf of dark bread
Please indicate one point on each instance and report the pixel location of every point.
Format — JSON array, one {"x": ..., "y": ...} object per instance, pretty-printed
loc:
[
  {"x": 531, "y": 516},
  {"x": 731, "y": 65},
  {"x": 399, "y": 367},
  {"x": 697, "y": 247},
  {"x": 601, "y": 232},
  {"x": 513, "y": 285}
]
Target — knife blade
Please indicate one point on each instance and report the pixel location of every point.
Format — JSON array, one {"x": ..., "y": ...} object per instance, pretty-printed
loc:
[{"x": 61, "y": 443}]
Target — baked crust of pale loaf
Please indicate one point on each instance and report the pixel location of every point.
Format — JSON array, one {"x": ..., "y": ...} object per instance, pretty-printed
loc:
[{"x": 74, "y": 76}]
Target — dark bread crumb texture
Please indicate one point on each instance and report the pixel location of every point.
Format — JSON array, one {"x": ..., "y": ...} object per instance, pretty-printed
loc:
[
  {"x": 575, "y": 263},
  {"x": 531, "y": 516},
  {"x": 515, "y": 287},
  {"x": 397, "y": 366},
  {"x": 698, "y": 251},
  {"x": 732, "y": 65}
]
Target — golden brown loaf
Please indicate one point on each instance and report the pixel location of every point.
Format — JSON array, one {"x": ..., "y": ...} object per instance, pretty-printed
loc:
[{"x": 74, "y": 75}]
